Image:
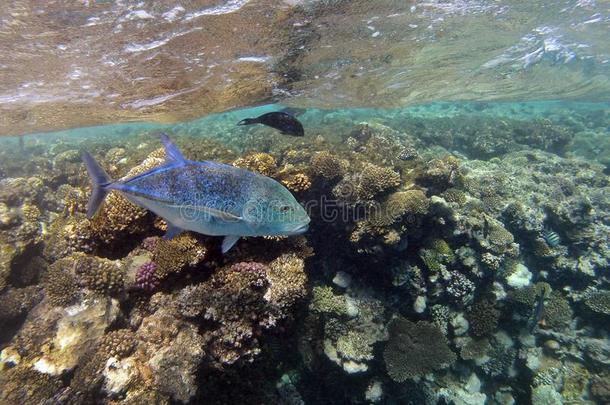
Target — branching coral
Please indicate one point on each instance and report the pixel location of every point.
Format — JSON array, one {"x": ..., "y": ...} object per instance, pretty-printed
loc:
[
  {"x": 415, "y": 349},
  {"x": 172, "y": 256},
  {"x": 262, "y": 163},
  {"x": 100, "y": 275},
  {"x": 287, "y": 280},
  {"x": 146, "y": 277},
  {"x": 297, "y": 183},
  {"x": 327, "y": 166},
  {"x": 375, "y": 180},
  {"x": 325, "y": 301},
  {"x": 118, "y": 343},
  {"x": 22, "y": 385}
]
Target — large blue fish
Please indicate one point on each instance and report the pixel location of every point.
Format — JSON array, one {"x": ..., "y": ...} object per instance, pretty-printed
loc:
[{"x": 205, "y": 197}]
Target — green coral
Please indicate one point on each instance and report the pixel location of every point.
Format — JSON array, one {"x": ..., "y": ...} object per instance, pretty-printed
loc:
[
  {"x": 326, "y": 302},
  {"x": 437, "y": 255},
  {"x": 415, "y": 349}
]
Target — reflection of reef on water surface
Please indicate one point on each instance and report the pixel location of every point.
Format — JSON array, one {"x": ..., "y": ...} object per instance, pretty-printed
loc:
[{"x": 419, "y": 277}]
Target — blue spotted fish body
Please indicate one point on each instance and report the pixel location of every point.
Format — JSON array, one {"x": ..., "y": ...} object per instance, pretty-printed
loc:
[{"x": 205, "y": 197}]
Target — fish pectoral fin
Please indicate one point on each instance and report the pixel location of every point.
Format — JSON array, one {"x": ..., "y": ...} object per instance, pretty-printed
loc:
[
  {"x": 228, "y": 242},
  {"x": 225, "y": 216},
  {"x": 172, "y": 153},
  {"x": 172, "y": 231}
]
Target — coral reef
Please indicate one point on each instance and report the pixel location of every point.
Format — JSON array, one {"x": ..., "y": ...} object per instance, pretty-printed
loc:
[{"x": 430, "y": 236}]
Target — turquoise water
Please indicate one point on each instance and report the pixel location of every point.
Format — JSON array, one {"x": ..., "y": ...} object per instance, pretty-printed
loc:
[{"x": 457, "y": 252}]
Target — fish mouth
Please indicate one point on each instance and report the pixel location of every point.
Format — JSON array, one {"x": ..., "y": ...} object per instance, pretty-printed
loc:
[{"x": 299, "y": 229}]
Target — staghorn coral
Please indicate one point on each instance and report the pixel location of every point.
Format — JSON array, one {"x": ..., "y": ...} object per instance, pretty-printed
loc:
[
  {"x": 415, "y": 349},
  {"x": 118, "y": 343},
  {"x": 483, "y": 318},
  {"x": 327, "y": 166},
  {"x": 287, "y": 280},
  {"x": 259, "y": 162}
]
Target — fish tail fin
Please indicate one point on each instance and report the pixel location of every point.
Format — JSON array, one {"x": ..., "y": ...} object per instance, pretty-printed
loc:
[
  {"x": 248, "y": 121},
  {"x": 100, "y": 182}
]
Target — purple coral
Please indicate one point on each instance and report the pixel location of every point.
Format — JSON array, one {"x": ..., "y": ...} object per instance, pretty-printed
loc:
[
  {"x": 146, "y": 277},
  {"x": 150, "y": 243}
]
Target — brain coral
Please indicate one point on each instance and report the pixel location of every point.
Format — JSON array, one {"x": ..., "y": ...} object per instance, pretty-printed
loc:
[{"x": 415, "y": 349}]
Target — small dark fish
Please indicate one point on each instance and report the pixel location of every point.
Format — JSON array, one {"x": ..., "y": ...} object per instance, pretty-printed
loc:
[
  {"x": 285, "y": 123},
  {"x": 537, "y": 314}
]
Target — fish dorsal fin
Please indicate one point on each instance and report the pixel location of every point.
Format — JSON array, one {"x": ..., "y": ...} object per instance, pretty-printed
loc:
[
  {"x": 228, "y": 242},
  {"x": 172, "y": 153}
]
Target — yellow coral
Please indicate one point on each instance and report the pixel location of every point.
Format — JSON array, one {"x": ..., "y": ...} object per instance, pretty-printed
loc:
[
  {"x": 287, "y": 280},
  {"x": 171, "y": 256},
  {"x": 262, "y": 163},
  {"x": 297, "y": 183}
]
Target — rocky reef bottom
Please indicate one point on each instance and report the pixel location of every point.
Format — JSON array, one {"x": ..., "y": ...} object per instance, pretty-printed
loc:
[{"x": 461, "y": 262}]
